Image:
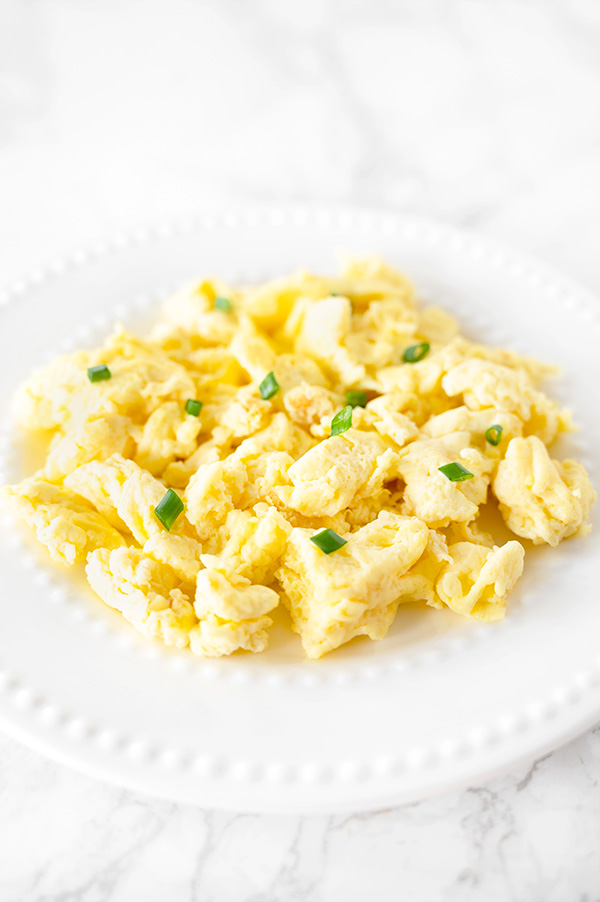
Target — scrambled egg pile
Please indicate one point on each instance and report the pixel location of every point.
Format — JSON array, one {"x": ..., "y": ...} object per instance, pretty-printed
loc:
[{"x": 323, "y": 442}]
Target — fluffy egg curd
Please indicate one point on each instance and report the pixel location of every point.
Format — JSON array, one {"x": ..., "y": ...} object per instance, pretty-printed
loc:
[{"x": 322, "y": 443}]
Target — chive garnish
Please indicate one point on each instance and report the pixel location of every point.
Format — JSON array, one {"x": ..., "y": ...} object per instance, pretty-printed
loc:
[
  {"x": 98, "y": 373},
  {"x": 356, "y": 398},
  {"x": 223, "y": 304},
  {"x": 327, "y": 540},
  {"x": 168, "y": 508},
  {"x": 269, "y": 386},
  {"x": 494, "y": 434},
  {"x": 416, "y": 352},
  {"x": 455, "y": 472},
  {"x": 342, "y": 421},
  {"x": 193, "y": 407}
]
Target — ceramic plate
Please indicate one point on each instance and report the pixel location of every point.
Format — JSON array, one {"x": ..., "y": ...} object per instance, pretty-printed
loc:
[{"x": 440, "y": 702}]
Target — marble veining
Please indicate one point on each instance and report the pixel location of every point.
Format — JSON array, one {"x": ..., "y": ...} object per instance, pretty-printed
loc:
[
  {"x": 115, "y": 115},
  {"x": 532, "y": 834}
]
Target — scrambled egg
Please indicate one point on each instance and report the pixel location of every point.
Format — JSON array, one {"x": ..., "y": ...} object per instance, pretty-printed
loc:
[{"x": 326, "y": 443}]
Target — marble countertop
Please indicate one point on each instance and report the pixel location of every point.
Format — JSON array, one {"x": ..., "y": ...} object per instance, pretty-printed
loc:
[{"x": 117, "y": 113}]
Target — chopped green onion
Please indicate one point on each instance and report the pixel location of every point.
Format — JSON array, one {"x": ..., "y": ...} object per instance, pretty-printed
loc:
[
  {"x": 416, "y": 352},
  {"x": 356, "y": 398},
  {"x": 168, "y": 508},
  {"x": 98, "y": 373},
  {"x": 223, "y": 304},
  {"x": 327, "y": 540},
  {"x": 494, "y": 434},
  {"x": 269, "y": 386},
  {"x": 455, "y": 472},
  {"x": 342, "y": 421},
  {"x": 193, "y": 407}
]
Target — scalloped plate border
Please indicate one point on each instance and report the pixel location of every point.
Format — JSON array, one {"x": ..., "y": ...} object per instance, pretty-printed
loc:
[{"x": 60, "y": 734}]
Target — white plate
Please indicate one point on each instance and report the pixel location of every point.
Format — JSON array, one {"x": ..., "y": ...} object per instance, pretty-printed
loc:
[{"x": 439, "y": 703}]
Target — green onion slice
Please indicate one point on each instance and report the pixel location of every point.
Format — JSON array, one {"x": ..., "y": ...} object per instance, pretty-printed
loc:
[
  {"x": 342, "y": 421},
  {"x": 98, "y": 373},
  {"x": 416, "y": 352},
  {"x": 223, "y": 304},
  {"x": 269, "y": 386},
  {"x": 327, "y": 540},
  {"x": 494, "y": 434},
  {"x": 356, "y": 398},
  {"x": 168, "y": 508},
  {"x": 455, "y": 472},
  {"x": 193, "y": 407}
]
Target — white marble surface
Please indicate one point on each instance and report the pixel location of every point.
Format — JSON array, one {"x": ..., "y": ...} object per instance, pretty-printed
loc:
[{"x": 117, "y": 113}]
